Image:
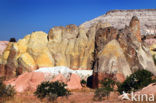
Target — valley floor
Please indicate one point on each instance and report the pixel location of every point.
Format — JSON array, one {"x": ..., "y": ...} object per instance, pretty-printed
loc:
[{"x": 77, "y": 96}]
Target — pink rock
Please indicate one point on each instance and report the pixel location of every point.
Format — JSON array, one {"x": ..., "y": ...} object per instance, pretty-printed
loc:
[
  {"x": 150, "y": 89},
  {"x": 3, "y": 45},
  {"x": 59, "y": 78},
  {"x": 22, "y": 82},
  {"x": 150, "y": 41},
  {"x": 120, "y": 77},
  {"x": 33, "y": 79},
  {"x": 36, "y": 79},
  {"x": 74, "y": 82},
  {"x": 27, "y": 81}
]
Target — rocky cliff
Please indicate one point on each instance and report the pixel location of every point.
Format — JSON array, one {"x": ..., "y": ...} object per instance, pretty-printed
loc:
[
  {"x": 105, "y": 47},
  {"x": 120, "y": 18}
]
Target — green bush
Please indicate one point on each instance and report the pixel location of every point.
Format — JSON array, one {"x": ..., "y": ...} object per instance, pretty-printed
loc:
[
  {"x": 6, "y": 91},
  {"x": 83, "y": 83},
  {"x": 107, "y": 87},
  {"x": 108, "y": 83},
  {"x": 136, "y": 81},
  {"x": 51, "y": 90},
  {"x": 100, "y": 93}
]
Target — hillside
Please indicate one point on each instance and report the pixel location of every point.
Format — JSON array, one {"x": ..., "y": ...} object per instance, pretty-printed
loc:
[{"x": 120, "y": 18}]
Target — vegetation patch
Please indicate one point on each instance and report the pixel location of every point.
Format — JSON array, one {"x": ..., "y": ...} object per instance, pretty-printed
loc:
[
  {"x": 136, "y": 81},
  {"x": 104, "y": 91},
  {"x": 51, "y": 90}
]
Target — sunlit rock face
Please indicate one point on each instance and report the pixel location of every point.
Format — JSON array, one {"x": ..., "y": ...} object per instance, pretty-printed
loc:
[
  {"x": 107, "y": 46},
  {"x": 123, "y": 55},
  {"x": 71, "y": 46},
  {"x": 120, "y": 18}
]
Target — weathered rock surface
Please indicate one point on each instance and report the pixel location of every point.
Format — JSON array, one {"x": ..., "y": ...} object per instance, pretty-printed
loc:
[
  {"x": 70, "y": 46},
  {"x": 120, "y": 18},
  {"x": 3, "y": 45},
  {"x": 124, "y": 55},
  {"x": 111, "y": 60},
  {"x": 104, "y": 44},
  {"x": 30, "y": 81},
  {"x": 26, "y": 81}
]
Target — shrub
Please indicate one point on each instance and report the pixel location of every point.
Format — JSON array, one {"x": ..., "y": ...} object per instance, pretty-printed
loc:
[
  {"x": 108, "y": 83},
  {"x": 135, "y": 81},
  {"x": 6, "y": 91},
  {"x": 83, "y": 82},
  {"x": 107, "y": 87},
  {"x": 51, "y": 90},
  {"x": 100, "y": 93},
  {"x": 12, "y": 40}
]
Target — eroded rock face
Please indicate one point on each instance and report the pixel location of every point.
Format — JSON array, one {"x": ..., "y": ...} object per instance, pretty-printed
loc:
[
  {"x": 110, "y": 60},
  {"x": 135, "y": 27},
  {"x": 124, "y": 55},
  {"x": 105, "y": 49},
  {"x": 30, "y": 81},
  {"x": 70, "y": 47},
  {"x": 3, "y": 45},
  {"x": 120, "y": 18}
]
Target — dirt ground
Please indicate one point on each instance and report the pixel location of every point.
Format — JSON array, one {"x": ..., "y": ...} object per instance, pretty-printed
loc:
[{"x": 77, "y": 96}]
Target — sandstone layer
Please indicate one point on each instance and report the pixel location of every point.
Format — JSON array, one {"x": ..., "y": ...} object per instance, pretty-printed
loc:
[
  {"x": 124, "y": 55},
  {"x": 120, "y": 18}
]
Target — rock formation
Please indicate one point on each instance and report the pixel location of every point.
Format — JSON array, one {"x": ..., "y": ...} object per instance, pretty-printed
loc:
[
  {"x": 104, "y": 44},
  {"x": 124, "y": 55},
  {"x": 3, "y": 46},
  {"x": 30, "y": 81},
  {"x": 120, "y": 18},
  {"x": 70, "y": 46}
]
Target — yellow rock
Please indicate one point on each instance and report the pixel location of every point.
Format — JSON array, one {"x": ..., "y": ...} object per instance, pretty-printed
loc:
[
  {"x": 44, "y": 60},
  {"x": 26, "y": 62},
  {"x": 152, "y": 47},
  {"x": 22, "y": 45},
  {"x": 37, "y": 43}
]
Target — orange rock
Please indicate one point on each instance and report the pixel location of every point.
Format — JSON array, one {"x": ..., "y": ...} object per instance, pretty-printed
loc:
[
  {"x": 135, "y": 27},
  {"x": 74, "y": 82},
  {"x": 59, "y": 78},
  {"x": 120, "y": 77},
  {"x": 36, "y": 79},
  {"x": 26, "y": 81},
  {"x": 22, "y": 82},
  {"x": 150, "y": 89}
]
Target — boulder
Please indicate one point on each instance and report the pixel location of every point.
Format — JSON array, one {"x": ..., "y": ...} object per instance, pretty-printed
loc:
[
  {"x": 74, "y": 82},
  {"x": 59, "y": 78},
  {"x": 25, "y": 63},
  {"x": 30, "y": 81},
  {"x": 27, "y": 81}
]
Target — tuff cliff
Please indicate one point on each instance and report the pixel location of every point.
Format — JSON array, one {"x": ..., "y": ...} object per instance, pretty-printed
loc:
[
  {"x": 100, "y": 46},
  {"x": 120, "y": 18}
]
